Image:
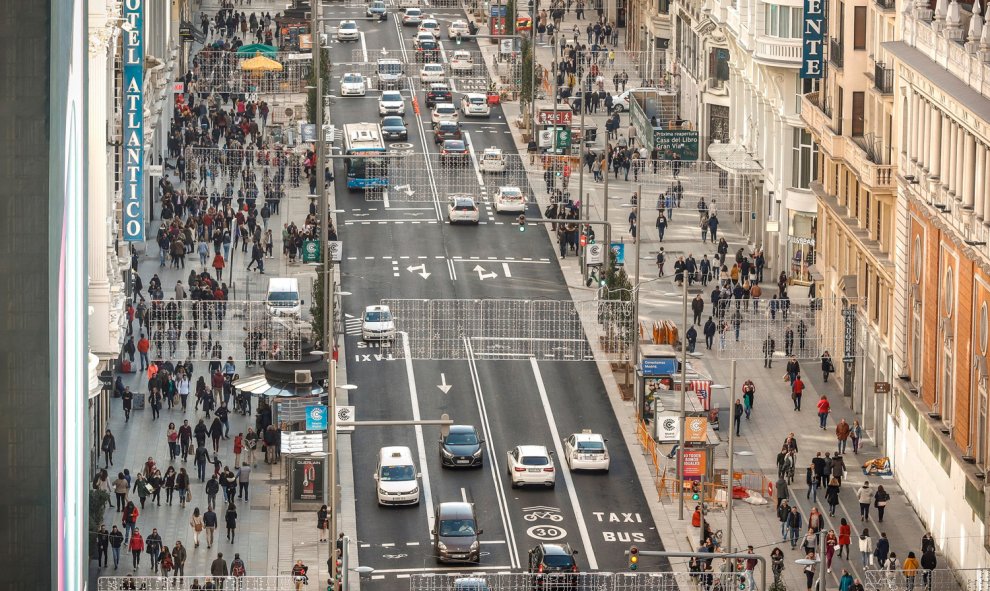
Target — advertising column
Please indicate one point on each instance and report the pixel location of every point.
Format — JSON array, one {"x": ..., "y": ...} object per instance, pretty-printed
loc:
[{"x": 133, "y": 121}]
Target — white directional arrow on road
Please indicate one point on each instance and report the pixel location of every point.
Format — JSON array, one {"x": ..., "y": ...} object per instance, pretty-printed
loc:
[
  {"x": 421, "y": 269},
  {"x": 443, "y": 385},
  {"x": 482, "y": 275}
]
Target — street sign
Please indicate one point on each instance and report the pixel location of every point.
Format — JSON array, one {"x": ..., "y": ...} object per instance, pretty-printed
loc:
[
  {"x": 683, "y": 142},
  {"x": 336, "y": 250},
  {"x": 155, "y": 169},
  {"x": 561, "y": 138},
  {"x": 316, "y": 418},
  {"x": 619, "y": 249},
  {"x": 311, "y": 251},
  {"x": 559, "y": 117},
  {"x": 695, "y": 429},
  {"x": 594, "y": 254},
  {"x": 506, "y": 46},
  {"x": 345, "y": 419},
  {"x": 668, "y": 428},
  {"x": 307, "y": 132},
  {"x": 659, "y": 366},
  {"x": 881, "y": 387}
]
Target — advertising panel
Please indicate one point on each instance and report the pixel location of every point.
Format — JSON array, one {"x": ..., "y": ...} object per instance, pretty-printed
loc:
[
  {"x": 307, "y": 475},
  {"x": 694, "y": 463},
  {"x": 133, "y": 122},
  {"x": 683, "y": 142}
]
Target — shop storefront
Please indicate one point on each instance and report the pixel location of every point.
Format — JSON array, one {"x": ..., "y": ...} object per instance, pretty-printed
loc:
[{"x": 801, "y": 246}]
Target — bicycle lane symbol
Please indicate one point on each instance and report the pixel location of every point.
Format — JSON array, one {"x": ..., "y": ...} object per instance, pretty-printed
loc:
[{"x": 545, "y": 532}]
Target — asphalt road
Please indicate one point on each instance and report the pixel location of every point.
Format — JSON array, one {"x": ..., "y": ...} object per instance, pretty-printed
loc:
[{"x": 407, "y": 250}]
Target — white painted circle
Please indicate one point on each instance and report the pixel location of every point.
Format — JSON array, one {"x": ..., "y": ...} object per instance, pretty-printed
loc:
[{"x": 546, "y": 532}]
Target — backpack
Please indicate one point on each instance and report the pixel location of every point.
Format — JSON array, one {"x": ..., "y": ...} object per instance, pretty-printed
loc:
[{"x": 237, "y": 569}]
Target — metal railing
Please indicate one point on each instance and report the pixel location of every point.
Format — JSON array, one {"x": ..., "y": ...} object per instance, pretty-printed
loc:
[
  {"x": 639, "y": 581},
  {"x": 883, "y": 78},
  {"x": 975, "y": 579},
  {"x": 886, "y": 4},
  {"x": 835, "y": 56},
  {"x": 158, "y": 583}
]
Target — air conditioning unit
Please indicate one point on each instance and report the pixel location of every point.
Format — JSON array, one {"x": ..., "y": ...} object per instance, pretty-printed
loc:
[{"x": 303, "y": 376}]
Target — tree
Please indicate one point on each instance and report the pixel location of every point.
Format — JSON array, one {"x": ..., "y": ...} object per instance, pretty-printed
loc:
[
  {"x": 510, "y": 17},
  {"x": 317, "y": 308},
  {"x": 98, "y": 501},
  {"x": 526, "y": 72},
  {"x": 311, "y": 81},
  {"x": 617, "y": 284}
]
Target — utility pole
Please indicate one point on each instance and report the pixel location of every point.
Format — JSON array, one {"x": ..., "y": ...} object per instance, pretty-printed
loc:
[
  {"x": 635, "y": 352},
  {"x": 683, "y": 418},
  {"x": 732, "y": 449}
]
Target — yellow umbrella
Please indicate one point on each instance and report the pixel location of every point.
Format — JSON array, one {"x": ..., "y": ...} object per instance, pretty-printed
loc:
[{"x": 261, "y": 63}]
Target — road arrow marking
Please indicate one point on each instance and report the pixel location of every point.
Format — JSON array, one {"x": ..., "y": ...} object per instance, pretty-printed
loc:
[
  {"x": 482, "y": 275},
  {"x": 421, "y": 269},
  {"x": 444, "y": 386}
]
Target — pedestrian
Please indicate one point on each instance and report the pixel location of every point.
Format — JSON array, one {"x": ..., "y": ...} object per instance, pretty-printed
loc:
[
  {"x": 172, "y": 438},
  {"x": 153, "y": 546},
  {"x": 811, "y": 479},
  {"x": 783, "y": 516},
  {"x": 910, "y": 568},
  {"x": 749, "y": 567},
  {"x": 142, "y": 488},
  {"x": 855, "y": 434},
  {"x": 103, "y": 546},
  {"x": 782, "y": 490},
  {"x": 709, "y": 331},
  {"x": 237, "y": 567},
  {"x": 845, "y": 581},
  {"x": 809, "y": 569},
  {"x": 882, "y": 550},
  {"x": 182, "y": 486},
  {"x": 168, "y": 482},
  {"x": 929, "y": 562},
  {"x": 768, "y": 349},
  {"x": 831, "y": 541},
  {"x": 794, "y": 523},
  {"x": 845, "y": 537},
  {"x": 251, "y": 442},
  {"x": 165, "y": 562},
  {"x": 661, "y": 259},
  {"x": 143, "y": 346},
  {"x": 209, "y": 525},
  {"x": 824, "y": 408},
  {"x": 196, "y": 523},
  {"x": 892, "y": 566},
  {"x": 108, "y": 445},
  {"x": 179, "y": 560},
  {"x": 116, "y": 541},
  {"x": 865, "y": 496},
  {"x": 842, "y": 430},
  {"x": 880, "y": 500},
  {"x": 776, "y": 565},
  {"x": 136, "y": 546},
  {"x": 797, "y": 389},
  {"x": 126, "y": 401},
  {"x": 299, "y": 576},
  {"x": 322, "y": 522},
  {"x": 827, "y": 367},
  {"x": 231, "y": 520},
  {"x": 238, "y": 448},
  {"x": 749, "y": 394},
  {"x": 218, "y": 568},
  {"x": 832, "y": 495},
  {"x": 737, "y": 412},
  {"x": 243, "y": 478}
]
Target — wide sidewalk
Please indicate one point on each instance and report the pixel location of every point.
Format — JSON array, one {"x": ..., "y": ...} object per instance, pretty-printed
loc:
[{"x": 773, "y": 416}]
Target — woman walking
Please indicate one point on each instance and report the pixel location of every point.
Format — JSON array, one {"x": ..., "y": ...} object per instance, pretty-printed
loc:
[
  {"x": 169, "y": 485},
  {"x": 866, "y": 548},
  {"x": 881, "y": 497},
  {"x": 231, "y": 519},
  {"x": 108, "y": 445},
  {"x": 120, "y": 489},
  {"x": 832, "y": 495},
  {"x": 182, "y": 486},
  {"x": 166, "y": 562},
  {"x": 196, "y": 523},
  {"x": 136, "y": 546},
  {"x": 172, "y": 437},
  {"x": 845, "y": 535},
  {"x": 855, "y": 434},
  {"x": 322, "y": 523},
  {"x": 831, "y": 541}
]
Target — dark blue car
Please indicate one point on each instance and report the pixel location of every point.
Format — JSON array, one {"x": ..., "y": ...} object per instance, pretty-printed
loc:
[{"x": 394, "y": 128}]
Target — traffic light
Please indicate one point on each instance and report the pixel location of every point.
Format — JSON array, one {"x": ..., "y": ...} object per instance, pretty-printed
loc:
[
  {"x": 633, "y": 557},
  {"x": 696, "y": 492},
  {"x": 521, "y": 220}
]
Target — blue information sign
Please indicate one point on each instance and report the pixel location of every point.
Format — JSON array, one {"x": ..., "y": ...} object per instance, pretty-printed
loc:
[
  {"x": 316, "y": 418},
  {"x": 619, "y": 249},
  {"x": 133, "y": 122},
  {"x": 813, "y": 39},
  {"x": 659, "y": 366}
]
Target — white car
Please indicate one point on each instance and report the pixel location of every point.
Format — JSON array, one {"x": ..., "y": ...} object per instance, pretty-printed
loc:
[
  {"x": 444, "y": 112},
  {"x": 462, "y": 208},
  {"x": 391, "y": 103},
  {"x": 432, "y": 73},
  {"x": 352, "y": 84},
  {"x": 475, "y": 105},
  {"x": 396, "y": 477},
  {"x": 586, "y": 451},
  {"x": 620, "y": 102},
  {"x": 492, "y": 160},
  {"x": 378, "y": 324},
  {"x": 458, "y": 27},
  {"x": 461, "y": 61},
  {"x": 510, "y": 199},
  {"x": 531, "y": 464},
  {"x": 431, "y": 26},
  {"x": 348, "y": 31},
  {"x": 412, "y": 16}
]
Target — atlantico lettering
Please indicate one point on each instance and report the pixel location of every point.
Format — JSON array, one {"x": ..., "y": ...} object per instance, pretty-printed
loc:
[
  {"x": 133, "y": 122},
  {"x": 813, "y": 39}
]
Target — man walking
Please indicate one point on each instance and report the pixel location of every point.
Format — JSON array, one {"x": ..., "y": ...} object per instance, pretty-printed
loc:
[{"x": 797, "y": 389}]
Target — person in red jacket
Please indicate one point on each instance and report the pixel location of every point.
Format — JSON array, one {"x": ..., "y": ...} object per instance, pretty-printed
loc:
[
  {"x": 823, "y": 409},
  {"x": 218, "y": 265},
  {"x": 136, "y": 546},
  {"x": 143, "y": 346},
  {"x": 797, "y": 389}
]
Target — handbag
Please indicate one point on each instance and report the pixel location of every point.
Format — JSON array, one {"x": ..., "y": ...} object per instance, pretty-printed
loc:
[{"x": 188, "y": 496}]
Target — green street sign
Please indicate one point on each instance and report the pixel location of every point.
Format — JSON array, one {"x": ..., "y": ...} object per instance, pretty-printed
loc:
[
  {"x": 683, "y": 142},
  {"x": 311, "y": 251},
  {"x": 561, "y": 138}
]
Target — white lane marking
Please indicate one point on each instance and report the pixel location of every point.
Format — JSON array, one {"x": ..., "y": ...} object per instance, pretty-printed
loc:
[
  {"x": 474, "y": 159},
  {"x": 385, "y": 198},
  {"x": 505, "y": 270},
  {"x": 483, "y": 542},
  {"x": 568, "y": 481},
  {"x": 493, "y": 459},
  {"x": 364, "y": 48},
  {"x": 388, "y": 545},
  {"x": 427, "y": 495},
  {"x": 480, "y": 260},
  {"x": 412, "y": 543},
  {"x": 464, "y": 495},
  {"x": 429, "y": 569}
]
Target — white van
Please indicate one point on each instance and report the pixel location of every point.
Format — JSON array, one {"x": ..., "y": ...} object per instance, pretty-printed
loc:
[
  {"x": 398, "y": 480},
  {"x": 283, "y": 297}
]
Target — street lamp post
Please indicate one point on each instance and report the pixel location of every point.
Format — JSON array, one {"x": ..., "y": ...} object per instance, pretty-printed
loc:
[
  {"x": 683, "y": 417},
  {"x": 732, "y": 449},
  {"x": 636, "y": 337}
]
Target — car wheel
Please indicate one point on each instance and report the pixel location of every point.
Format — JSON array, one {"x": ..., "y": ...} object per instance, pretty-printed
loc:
[
  {"x": 618, "y": 108},
  {"x": 552, "y": 485}
]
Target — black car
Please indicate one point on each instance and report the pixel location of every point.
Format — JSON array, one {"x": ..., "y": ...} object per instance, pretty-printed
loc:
[
  {"x": 555, "y": 566},
  {"x": 461, "y": 448},
  {"x": 454, "y": 152},
  {"x": 447, "y": 130},
  {"x": 438, "y": 93},
  {"x": 394, "y": 128}
]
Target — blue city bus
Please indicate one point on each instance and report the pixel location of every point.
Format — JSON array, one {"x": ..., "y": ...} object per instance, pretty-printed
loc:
[{"x": 364, "y": 140}]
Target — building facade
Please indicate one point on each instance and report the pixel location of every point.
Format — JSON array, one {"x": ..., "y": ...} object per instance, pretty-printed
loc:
[
  {"x": 648, "y": 32},
  {"x": 850, "y": 118},
  {"x": 768, "y": 147}
]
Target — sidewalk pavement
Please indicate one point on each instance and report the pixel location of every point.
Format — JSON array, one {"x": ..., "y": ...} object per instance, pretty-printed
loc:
[{"x": 773, "y": 416}]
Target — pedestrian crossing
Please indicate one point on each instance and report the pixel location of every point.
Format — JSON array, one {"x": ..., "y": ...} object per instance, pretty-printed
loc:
[{"x": 352, "y": 325}]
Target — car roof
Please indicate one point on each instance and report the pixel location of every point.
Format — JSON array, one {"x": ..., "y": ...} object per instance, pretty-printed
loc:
[
  {"x": 455, "y": 510},
  {"x": 533, "y": 450},
  {"x": 463, "y": 428},
  {"x": 557, "y": 549},
  {"x": 448, "y": 123},
  {"x": 588, "y": 437},
  {"x": 342, "y": 23},
  {"x": 444, "y": 105},
  {"x": 433, "y": 65},
  {"x": 440, "y": 86},
  {"x": 474, "y": 95},
  {"x": 410, "y": 9},
  {"x": 462, "y": 52},
  {"x": 462, "y": 200},
  {"x": 395, "y": 455},
  {"x": 377, "y": 308},
  {"x": 507, "y": 189},
  {"x": 427, "y": 21}
]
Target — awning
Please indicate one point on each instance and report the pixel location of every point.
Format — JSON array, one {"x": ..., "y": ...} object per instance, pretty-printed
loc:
[
  {"x": 261, "y": 63},
  {"x": 733, "y": 158},
  {"x": 260, "y": 386},
  {"x": 256, "y": 49}
]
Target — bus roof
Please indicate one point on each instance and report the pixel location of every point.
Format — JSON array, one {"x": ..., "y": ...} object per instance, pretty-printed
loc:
[{"x": 363, "y": 137}]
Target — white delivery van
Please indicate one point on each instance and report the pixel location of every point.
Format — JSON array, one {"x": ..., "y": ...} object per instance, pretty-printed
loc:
[
  {"x": 398, "y": 480},
  {"x": 283, "y": 297}
]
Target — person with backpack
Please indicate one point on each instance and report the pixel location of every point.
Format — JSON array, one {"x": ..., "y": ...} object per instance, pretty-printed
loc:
[{"x": 237, "y": 567}]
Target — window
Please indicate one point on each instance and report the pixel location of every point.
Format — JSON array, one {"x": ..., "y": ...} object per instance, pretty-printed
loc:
[
  {"x": 858, "y": 113},
  {"x": 805, "y": 159},
  {"x": 782, "y": 21},
  {"x": 859, "y": 27}
]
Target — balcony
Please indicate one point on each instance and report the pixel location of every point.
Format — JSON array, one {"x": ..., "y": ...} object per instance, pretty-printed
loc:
[
  {"x": 835, "y": 56},
  {"x": 883, "y": 78},
  {"x": 870, "y": 161},
  {"x": 817, "y": 116},
  {"x": 778, "y": 51},
  {"x": 885, "y": 5}
]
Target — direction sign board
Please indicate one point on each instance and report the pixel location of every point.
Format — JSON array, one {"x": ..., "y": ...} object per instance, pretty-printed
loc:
[
  {"x": 344, "y": 419},
  {"x": 659, "y": 366},
  {"x": 316, "y": 418},
  {"x": 881, "y": 387},
  {"x": 336, "y": 250},
  {"x": 683, "y": 142},
  {"x": 594, "y": 254},
  {"x": 562, "y": 138}
]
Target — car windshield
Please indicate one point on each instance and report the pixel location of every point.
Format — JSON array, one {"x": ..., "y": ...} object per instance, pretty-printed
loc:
[
  {"x": 512, "y": 195},
  {"x": 390, "y": 68},
  {"x": 378, "y": 5},
  {"x": 445, "y": 110},
  {"x": 535, "y": 461},
  {"x": 591, "y": 447},
  {"x": 558, "y": 560},
  {"x": 448, "y": 128},
  {"x": 429, "y": 25},
  {"x": 453, "y": 145},
  {"x": 477, "y": 100},
  {"x": 462, "y": 439},
  {"x": 457, "y": 528},
  {"x": 283, "y": 296},
  {"x": 397, "y": 473},
  {"x": 353, "y": 78},
  {"x": 413, "y": 12},
  {"x": 348, "y": 25},
  {"x": 377, "y": 316},
  {"x": 433, "y": 68},
  {"x": 391, "y": 97},
  {"x": 393, "y": 122}
]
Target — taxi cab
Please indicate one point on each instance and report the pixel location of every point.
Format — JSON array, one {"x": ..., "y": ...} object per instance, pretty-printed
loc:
[
  {"x": 586, "y": 451},
  {"x": 492, "y": 160}
]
